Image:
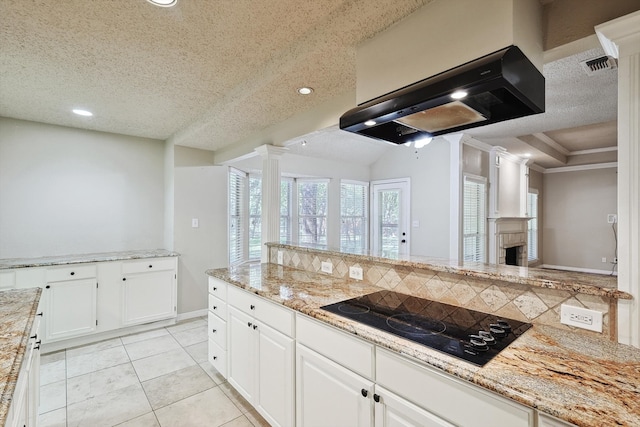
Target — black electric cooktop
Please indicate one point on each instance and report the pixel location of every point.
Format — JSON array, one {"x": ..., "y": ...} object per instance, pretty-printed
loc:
[{"x": 467, "y": 334}]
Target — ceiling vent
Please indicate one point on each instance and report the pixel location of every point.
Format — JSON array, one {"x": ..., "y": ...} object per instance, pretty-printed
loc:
[{"x": 598, "y": 65}]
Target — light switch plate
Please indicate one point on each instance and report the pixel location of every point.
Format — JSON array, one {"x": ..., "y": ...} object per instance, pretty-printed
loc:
[
  {"x": 195, "y": 223},
  {"x": 581, "y": 317}
]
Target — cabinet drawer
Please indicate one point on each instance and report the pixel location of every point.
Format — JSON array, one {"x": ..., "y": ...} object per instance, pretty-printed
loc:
[
  {"x": 218, "y": 331},
  {"x": 151, "y": 264},
  {"x": 279, "y": 318},
  {"x": 71, "y": 273},
  {"x": 442, "y": 395},
  {"x": 218, "y": 288},
  {"x": 350, "y": 352},
  {"x": 218, "y": 307},
  {"x": 218, "y": 358}
]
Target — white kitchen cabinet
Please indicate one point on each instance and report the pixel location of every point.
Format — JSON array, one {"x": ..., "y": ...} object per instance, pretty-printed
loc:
[
  {"x": 70, "y": 302},
  {"x": 392, "y": 410},
  {"x": 449, "y": 398},
  {"x": 148, "y": 291},
  {"x": 328, "y": 394},
  {"x": 217, "y": 324},
  {"x": 261, "y": 356},
  {"x": 545, "y": 420},
  {"x": 23, "y": 411}
]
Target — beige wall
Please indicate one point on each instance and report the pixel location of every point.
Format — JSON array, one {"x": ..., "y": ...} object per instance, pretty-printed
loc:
[
  {"x": 575, "y": 231},
  {"x": 536, "y": 182},
  {"x": 65, "y": 191},
  {"x": 200, "y": 192},
  {"x": 569, "y": 20}
]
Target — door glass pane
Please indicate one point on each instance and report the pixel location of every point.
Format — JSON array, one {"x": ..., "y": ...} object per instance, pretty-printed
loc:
[{"x": 389, "y": 222}]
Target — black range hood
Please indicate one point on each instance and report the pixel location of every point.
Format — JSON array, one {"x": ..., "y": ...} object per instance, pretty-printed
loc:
[{"x": 500, "y": 86}]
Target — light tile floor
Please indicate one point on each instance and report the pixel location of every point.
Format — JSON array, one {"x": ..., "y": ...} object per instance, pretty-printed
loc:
[{"x": 158, "y": 378}]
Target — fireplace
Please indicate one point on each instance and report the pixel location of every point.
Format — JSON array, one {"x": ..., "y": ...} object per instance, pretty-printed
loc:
[{"x": 508, "y": 241}]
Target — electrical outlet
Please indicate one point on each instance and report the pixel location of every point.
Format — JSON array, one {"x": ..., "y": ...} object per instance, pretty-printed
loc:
[
  {"x": 612, "y": 218},
  {"x": 355, "y": 273},
  {"x": 280, "y": 257},
  {"x": 604, "y": 259},
  {"x": 327, "y": 267},
  {"x": 195, "y": 223},
  {"x": 581, "y": 317}
]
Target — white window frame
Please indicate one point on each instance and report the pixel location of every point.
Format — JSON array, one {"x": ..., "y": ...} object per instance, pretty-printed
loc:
[
  {"x": 299, "y": 217},
  {"x": 288, "y": 236},
  {"x": 243, "y": 221},
  {"x": 365, "y": 216},
  {"x": 482, "y": 181},
  {"x": 252, "y": 217}
]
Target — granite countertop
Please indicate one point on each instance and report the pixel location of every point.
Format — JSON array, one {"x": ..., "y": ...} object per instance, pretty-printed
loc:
[
  {"x": 17, "y": 311},
  {"x": 9, "y": 263},
  {"x": 578, "y": 378},
  {"x": 591, "y": 284}
]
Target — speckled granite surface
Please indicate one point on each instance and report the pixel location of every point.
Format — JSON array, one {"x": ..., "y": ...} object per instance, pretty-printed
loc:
[
  {"x": 581, "y": 379},
  {"x": 590, "y": 284},
  {"x": 8, "y": 263},
  {"x": 17, "y": 313}
]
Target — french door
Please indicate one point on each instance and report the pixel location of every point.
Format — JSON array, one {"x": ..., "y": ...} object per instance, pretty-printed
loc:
[{"x": 390, "y": 217}]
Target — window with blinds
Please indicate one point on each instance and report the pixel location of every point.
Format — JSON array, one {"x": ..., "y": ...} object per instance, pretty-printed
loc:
[
  {"x": 255, "y": 216},
  {"x": 312, "y": 212},
  {"x": 237, "y": 216},
  {"x": 286, "y": 186},
  {"x": 532, "y": 228},
  {"x": 474, "y": 221},
  {"x": 354, "y": 217}
]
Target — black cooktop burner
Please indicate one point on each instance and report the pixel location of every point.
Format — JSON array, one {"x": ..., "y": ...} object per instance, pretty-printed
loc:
[{"x": 470, "y": 335}]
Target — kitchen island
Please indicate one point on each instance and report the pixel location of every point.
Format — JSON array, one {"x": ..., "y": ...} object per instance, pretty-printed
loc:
[
  {"x": 582, "y": 379},
  {"x": 17, "y": 313}
]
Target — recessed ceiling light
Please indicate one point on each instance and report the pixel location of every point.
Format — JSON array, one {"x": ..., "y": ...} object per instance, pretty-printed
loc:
[
  {"x": 82, "y": 112},
  {"x": 370, "y": 122},
  {"x": 305, "y": 90},
  {"x": 459, "y": 94},
  {"x": 163, "y": 3}
]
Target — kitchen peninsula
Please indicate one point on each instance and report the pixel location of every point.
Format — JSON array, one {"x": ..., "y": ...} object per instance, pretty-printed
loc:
[{"x": 579, "y": 377}]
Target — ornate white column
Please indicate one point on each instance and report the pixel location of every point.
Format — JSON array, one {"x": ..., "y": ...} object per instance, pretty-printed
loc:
[
  {"x": 270, "y": 215},
  {"x": 620, "y": 38}
]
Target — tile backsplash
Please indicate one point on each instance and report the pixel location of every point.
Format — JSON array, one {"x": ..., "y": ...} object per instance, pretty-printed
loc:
[{"x": 526, "y": 303}]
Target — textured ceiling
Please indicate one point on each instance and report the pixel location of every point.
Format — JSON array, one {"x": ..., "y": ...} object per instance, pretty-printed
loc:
[{"x": 206, "y": 73}]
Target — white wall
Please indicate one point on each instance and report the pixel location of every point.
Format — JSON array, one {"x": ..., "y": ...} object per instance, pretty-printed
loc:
[
  {"x": 200, "y": 192},
  {"x": 509, "y": 188},
  {"x": 575, "y": 230},
  {"x": 429, "y": 172},
  {"x": 65, "y": 191}
]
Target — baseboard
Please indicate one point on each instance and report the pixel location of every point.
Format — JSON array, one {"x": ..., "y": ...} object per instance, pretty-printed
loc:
[
  {"x": 191, "y": 314},
  {"x": 101, "y": 336},
  {"x": 577, "y": 269}
]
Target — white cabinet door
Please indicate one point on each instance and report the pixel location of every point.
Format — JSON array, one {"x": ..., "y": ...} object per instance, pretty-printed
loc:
[
  {"x": 148, "y": 297},
  {"x": 274, "y": 395},
  {"x": 545, "y": 420},
  {"x": 70, "y": 309},
  {"x": 393, "y": 411},
  {"x": 328, "y": 394},
  {"x": 241, "y": 352}
]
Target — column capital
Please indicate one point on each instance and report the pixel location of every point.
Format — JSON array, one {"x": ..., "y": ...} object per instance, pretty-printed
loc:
[
  {"x": 267, "y": 151},
  {"x": 622, "y": 31}
]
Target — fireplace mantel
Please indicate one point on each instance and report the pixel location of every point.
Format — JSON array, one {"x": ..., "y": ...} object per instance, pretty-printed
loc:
[{"x": 508, "y": 232}]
